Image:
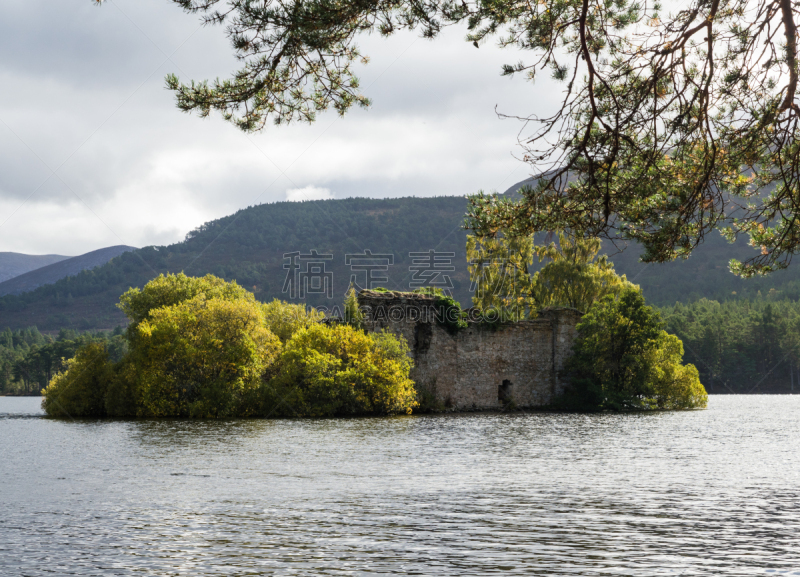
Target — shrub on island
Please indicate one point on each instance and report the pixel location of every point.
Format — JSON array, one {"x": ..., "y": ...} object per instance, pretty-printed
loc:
[
  {"x": 623, "y": 360},
  {"x": 205, "y": 348},
  {"x": 202, "y": 358},
  {"x": 80, "y": 390},
  {"x": 339, "y": 370},
  {"x": 285, "y": 319}
]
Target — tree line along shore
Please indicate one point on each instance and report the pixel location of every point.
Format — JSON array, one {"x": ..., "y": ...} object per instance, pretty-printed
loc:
[{"x": 734, "y": 345}]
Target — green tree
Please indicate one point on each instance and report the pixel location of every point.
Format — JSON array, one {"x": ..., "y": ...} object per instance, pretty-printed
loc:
[
  {"x": 622, "y": 360},
  {"x": 171, "y": 289},
  {"x": 6, "y": 371},
  {"x": 352, "y": 313},
  {"x": 29, "y": 360},
  {"x": 740, "y": 346},
  {"x": 202, "y": 358},
  {"x": 675, "y": 386},
  {"x": 80, "y": 390},
  {"x": 666, "y": 119},
  {"x": 284, "y": 319},
  {"x": 339, "y": 370},
  {"x": 575, "y": 277},
  {"x": 499, "y": 269},
  {"x": 23, "y": 370}
]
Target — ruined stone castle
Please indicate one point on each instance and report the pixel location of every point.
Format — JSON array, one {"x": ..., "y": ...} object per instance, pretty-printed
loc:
[{"x": 480, "y": 366}]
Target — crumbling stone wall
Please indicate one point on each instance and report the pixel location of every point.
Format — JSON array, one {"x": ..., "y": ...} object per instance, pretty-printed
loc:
[{"x": 478, "y": 367}]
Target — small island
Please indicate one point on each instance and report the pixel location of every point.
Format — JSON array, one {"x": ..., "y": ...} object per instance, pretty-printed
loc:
[{"x": 572, "y": 336}]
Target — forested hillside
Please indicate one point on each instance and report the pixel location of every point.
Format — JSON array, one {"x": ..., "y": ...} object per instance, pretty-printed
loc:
[{"x": 249, "y": 247}]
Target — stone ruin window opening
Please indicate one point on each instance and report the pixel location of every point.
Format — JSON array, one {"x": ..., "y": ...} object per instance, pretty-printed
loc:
[{"x": 504, "y": 392}]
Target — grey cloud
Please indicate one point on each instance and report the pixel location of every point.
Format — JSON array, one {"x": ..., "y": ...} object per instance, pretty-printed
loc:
[{"x": 88, "y": 92}]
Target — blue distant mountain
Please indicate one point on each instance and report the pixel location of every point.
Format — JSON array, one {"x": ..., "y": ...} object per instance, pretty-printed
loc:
[
  {"x": 57, "y": 268},
  {"x": 14, "y": 263}
]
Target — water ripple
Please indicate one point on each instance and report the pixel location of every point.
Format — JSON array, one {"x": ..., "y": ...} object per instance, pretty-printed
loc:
[{"x": 711, "y": 492}]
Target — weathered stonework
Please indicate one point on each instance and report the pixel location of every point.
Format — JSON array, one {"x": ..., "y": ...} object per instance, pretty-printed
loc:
[{"x": 478, "y": 367}]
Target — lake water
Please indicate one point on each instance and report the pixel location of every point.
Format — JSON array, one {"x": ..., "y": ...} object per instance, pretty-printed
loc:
[{"x": 713, "y": 492}]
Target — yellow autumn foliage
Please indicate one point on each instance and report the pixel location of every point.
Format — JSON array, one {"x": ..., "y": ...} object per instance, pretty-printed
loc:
[
  {"x": 205, "y": 348},
  {"x": 341, "y": 371},
  {"x": 674, "y": 386},
  {"x": 202, "y": 358}
]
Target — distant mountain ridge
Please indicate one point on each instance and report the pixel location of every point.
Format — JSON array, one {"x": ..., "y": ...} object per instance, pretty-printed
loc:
[
  {"x": 66, "y": 266},
  {"x": 13, "y": 264},
  {"x": 255, "y": 245}
]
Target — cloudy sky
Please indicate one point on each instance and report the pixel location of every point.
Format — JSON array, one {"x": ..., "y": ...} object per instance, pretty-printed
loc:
[{"x": 94, "y": 153}]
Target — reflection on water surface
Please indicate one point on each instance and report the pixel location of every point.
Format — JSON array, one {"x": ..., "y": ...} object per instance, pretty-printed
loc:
[{"x": 695, "y": 493}]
